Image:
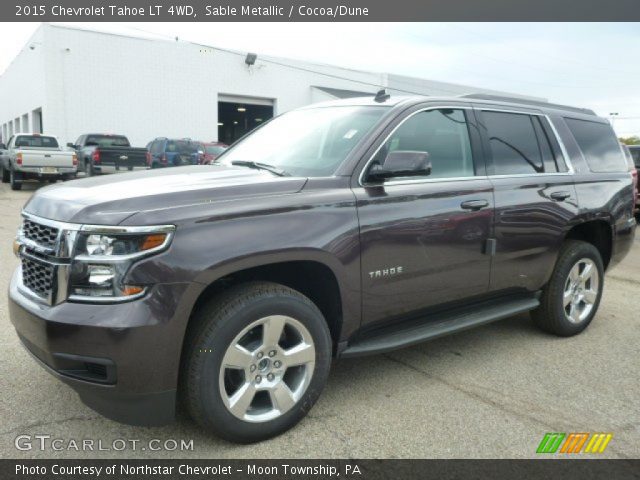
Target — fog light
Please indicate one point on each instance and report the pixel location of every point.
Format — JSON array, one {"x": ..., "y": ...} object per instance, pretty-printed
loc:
[{"x": 101, "y": 275}]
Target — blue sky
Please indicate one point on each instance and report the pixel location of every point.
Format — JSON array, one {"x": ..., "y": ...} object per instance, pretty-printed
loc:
[{"x": 583, "y": 64}]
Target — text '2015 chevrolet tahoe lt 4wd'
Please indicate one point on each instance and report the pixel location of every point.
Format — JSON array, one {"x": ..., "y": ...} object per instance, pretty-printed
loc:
[{"x": 336, "y": 230}]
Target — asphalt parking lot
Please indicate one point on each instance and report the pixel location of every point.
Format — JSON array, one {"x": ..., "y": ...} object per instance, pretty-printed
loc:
[{"x": 492, "y": 392}]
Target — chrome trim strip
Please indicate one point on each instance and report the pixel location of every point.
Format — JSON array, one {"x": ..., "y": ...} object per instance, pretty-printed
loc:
[
  {"x": 130, "y": 256},
  {"x": 103, "y": 300},
  {"x": 563, "y": 150},
  {"x": 107, "y": 229}
]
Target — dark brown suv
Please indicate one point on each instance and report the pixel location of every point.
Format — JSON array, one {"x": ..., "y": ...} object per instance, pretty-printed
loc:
[{"x": 341, "y": 229}]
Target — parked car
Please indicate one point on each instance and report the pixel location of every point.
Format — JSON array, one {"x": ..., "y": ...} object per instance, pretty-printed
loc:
[
  {"x": 107, "y": 153},
  {"x": 168, "y": 152},
  {"x": 212, "y": 150},
  {"x": 633, "y": 157},
  {"x": 4, "y": 158},
  {"x": 36, "y": 156},
  {"x": 318, "y": 236}
]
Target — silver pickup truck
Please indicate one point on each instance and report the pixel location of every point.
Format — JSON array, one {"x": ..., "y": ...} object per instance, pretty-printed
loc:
[{"x": 36, "y": 156}]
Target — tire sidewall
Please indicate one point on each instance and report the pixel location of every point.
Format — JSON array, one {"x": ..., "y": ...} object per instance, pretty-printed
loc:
[
  {"x": 577, "y": 252},
  {"x": 15, "y": 180},
  {"x": 207, "y": 372}
]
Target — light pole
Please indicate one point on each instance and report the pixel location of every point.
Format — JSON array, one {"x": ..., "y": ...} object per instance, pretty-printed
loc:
[{"x": 612, "y": 117}]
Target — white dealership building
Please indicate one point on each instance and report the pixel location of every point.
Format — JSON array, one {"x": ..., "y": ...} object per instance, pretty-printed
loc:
[{"x": 68, "y": 81}]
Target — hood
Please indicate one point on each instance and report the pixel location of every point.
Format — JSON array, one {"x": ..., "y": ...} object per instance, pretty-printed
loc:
[{"x": 110, "y": 199}]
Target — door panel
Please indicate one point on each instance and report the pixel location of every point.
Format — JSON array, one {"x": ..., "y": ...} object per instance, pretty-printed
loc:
[
  {"x": 535, "y": 199},
  {"x": 529, "y": 228},
  {"x": 419, "y": 247}
]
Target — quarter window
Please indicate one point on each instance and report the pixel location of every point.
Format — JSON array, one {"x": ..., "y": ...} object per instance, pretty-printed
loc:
[
  {"x": 514, "y": 144},
  {"x": 443, "y": 134},
  {"x": 599, "y": 145}
]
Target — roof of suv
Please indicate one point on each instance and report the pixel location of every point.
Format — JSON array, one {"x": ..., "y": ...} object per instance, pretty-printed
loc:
[{"x": 394, "y": 101}]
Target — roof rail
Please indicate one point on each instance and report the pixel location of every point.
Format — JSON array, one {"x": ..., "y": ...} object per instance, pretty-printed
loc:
[{"x": 524, "y": 101}]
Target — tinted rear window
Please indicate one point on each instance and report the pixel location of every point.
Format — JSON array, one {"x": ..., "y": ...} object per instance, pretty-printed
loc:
[
  {"x": 34, "y": 141},
  {"x": 599, "y": 145},
  {"x": 181, "y": 146},
  {"x": 107, "y": 140}
]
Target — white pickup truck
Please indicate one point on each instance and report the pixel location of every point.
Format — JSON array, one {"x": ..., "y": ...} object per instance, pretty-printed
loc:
[{"x": 36, "y": 156}]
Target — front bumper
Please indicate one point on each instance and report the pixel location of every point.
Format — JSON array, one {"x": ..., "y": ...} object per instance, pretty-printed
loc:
[{"x": 122, "y": 359}]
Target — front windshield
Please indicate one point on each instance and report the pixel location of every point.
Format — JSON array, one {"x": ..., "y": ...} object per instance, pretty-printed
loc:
[{"x": 307, "y": 143}]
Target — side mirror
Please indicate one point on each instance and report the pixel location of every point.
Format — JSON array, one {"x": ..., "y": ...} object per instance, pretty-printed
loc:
[
  {"x": 71, "y": 145},
  {"x": 401, "y": 163}
]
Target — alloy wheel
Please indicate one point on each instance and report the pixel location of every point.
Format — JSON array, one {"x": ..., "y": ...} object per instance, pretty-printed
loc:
[
  {"x": 581, "y": 290},
  {"x": 267, "y": 368}
]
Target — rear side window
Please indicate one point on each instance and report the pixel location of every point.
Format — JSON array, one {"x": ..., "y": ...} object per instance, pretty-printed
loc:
[
  {"x": 35, "y": 141},
  {"x": 599, "y": 145},
  {"x": 514, "y": 144}
]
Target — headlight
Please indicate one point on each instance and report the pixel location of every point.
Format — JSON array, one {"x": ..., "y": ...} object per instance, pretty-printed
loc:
[{"x": 103, "y": 255}]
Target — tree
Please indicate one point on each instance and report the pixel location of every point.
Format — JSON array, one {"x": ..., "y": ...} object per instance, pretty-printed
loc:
[{"x": 634, "y": 140}]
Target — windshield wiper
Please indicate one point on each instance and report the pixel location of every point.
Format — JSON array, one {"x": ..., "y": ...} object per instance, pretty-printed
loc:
[{"x": 261, "y": 166}]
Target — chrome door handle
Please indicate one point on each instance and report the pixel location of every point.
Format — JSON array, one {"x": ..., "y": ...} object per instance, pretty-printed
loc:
[
  {"x": 560, "y": 196},
  {"x": 474, "y": 204}
]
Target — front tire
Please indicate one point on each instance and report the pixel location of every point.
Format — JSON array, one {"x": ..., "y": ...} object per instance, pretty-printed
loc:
[
  {"x": 257, "y": 359},
  {"x": 5, "y": 175},
  {"x": 571, "y": 298}
]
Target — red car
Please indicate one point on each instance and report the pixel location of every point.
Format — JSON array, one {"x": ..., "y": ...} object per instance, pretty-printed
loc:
[{"x": 211, "y": 151}]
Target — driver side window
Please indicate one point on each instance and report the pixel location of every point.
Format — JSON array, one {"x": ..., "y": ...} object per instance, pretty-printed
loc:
[{"x": 443, "y": 134}]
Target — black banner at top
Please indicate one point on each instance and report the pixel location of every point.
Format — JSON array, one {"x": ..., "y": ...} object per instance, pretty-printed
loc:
[{"x": 319, "y": 10}]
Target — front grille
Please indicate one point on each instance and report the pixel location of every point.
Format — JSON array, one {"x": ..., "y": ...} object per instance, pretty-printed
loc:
[
  {"x": 41, "y": 234},
  {"x": 37, "y": 277}
]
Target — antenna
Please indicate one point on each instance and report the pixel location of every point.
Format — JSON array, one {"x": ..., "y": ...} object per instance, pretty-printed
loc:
[{"x": 382, "y": 96}]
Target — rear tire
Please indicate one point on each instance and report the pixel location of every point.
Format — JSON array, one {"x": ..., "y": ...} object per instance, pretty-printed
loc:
[
  {"x": 88, "y": 169},
  {"x": 15, "y": 179},
  {"x": 239, "y": 376},
  {"x": 571, "y": 298}
]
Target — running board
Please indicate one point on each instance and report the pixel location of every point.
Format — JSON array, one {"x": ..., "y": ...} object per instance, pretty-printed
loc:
[{"x": 405, "y": 335}]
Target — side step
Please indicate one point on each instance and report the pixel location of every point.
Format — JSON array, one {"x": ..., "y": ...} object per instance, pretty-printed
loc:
[{"x": 404, "y": 335}]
